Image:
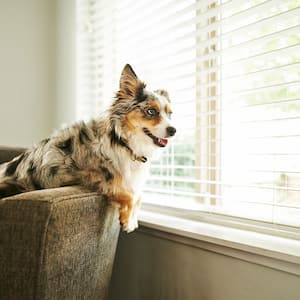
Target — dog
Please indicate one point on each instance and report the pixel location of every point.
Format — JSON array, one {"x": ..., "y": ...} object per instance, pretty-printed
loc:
[{"x": 109, "y": 154}]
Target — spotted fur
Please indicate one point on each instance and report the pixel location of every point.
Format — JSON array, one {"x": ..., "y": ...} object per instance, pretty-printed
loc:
[{"x": 109, "y": 154}]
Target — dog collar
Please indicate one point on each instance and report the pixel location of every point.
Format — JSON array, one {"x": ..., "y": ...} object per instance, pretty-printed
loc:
[
  {"x": 142, "y": 159},
  {"x": 116, "y": 139}
]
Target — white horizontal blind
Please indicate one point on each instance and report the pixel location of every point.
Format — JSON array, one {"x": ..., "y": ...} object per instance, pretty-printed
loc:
[
  {"x": 86, "y": 91},
  {"x": 233, "y": 72}
]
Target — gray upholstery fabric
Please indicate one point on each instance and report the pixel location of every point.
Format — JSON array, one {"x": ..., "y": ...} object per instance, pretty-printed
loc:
[{"x": 56, "y": 244}]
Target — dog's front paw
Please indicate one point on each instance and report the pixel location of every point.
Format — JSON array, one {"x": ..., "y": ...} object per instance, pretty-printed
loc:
[
  {"x": 128, "y": 228},
  {"x": 131, "y": 225}
]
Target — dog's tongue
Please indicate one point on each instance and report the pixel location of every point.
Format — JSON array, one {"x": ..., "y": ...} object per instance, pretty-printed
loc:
[{"x": 163, "y": 142}]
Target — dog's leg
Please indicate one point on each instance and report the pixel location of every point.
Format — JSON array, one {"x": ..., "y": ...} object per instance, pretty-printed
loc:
[
  {"x": 124, "y": 201},
  {"x": 131, "y": 215},
  {"x": 110, "y": 186}
]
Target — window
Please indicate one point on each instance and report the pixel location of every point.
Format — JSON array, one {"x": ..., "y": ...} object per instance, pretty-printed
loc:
[{"x": 233, "y": 72}]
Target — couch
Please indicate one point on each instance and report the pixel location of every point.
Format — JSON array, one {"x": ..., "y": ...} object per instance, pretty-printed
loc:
[{"x": 56, "y": 243}]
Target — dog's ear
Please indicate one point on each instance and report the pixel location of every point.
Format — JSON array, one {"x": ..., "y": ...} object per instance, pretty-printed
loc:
[
  {"x": 131, "y": 87},
  {"x": 128, "y": 75},
  {"x": 163, "y": 93}
]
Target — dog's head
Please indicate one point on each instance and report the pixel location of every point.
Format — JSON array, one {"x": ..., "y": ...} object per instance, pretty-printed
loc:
[{"x": 143, "y": 116}]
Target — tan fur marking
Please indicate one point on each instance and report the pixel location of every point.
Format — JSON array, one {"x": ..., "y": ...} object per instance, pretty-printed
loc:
[
  {"x": 124, "y": 201},
  {"x": 168, "y": 108},
  {"x": 132, "y": 120},
  {"x": 153, "y": 122},
  {"x": 154, "y": 104}
]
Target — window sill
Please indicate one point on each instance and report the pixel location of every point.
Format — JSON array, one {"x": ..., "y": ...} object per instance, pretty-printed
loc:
[{"x": 276, "y": 252}]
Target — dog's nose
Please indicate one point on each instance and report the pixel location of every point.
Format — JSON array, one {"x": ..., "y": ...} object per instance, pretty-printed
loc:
[{"x": 171, "y": 130}]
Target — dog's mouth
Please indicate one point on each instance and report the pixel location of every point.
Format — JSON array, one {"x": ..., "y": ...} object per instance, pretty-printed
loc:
[{"x": 156, "y": 140}]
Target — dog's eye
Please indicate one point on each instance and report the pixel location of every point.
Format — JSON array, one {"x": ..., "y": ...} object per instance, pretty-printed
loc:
[{"x": 152, "y": 112}]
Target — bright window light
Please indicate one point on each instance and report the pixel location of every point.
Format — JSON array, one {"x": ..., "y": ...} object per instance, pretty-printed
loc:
[{"x": 232, "y": 69}]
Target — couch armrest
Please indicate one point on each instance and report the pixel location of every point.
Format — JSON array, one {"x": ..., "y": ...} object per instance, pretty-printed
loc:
[
  {"x": 57, "y": 244},
  {"x": 8, "y": 153}
]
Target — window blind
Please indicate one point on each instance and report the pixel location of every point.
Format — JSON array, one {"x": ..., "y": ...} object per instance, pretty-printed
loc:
[{"x": 232, "y": 70}]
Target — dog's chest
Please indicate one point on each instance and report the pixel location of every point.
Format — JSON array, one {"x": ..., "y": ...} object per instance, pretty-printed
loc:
[{"x": 134, "y": 176}]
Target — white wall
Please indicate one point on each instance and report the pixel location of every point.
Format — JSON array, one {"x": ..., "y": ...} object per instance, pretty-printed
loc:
[
  {"x": 65, "y": 110},
  {"x": 37, "y": 69},
  {"x": 149, "y": 267},
  {"x": 27, "y": 56}
]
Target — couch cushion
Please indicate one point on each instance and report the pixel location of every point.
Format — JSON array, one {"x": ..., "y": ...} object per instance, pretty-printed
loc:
[{"x": 57, "y": 244}]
